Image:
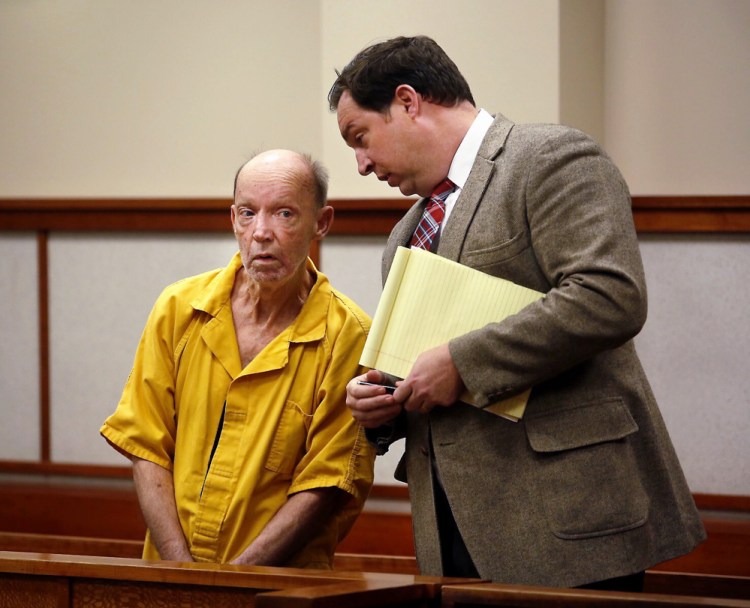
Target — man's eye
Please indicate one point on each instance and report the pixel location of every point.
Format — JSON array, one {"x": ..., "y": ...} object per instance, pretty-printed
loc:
[
  {"x": 285, "y": 213},
  {"x": 246, "y": 214}
]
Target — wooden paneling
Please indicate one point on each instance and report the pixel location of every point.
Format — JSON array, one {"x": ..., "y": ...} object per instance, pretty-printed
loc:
[
  {"x": 70, "y": 545},
  {"x": 692, "y": 214},
  {"x": 21, "y": 591},
  {"x": 114, "y": 514},
  {"x": 707, "y": 585},
  {"x": 664, "y": 582},
  {"x": 100, "y": 512},
  {"x": 664, "y": 214},
  {"x": 380, "y": 534},
  {"x": 511, "y": 596},
  {"x": 104, "y": 582},
  {"x": 727, "y": 550}
]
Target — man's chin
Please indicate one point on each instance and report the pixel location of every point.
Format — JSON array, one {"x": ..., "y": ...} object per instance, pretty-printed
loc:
[{"x": 406, "y": 190}]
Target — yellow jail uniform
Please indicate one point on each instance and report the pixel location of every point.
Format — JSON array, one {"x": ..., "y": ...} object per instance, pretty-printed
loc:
[{"x": 285, "y": 424}]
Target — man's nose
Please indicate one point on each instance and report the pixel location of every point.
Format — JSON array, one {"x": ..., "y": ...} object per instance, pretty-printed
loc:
[
  {"x": 262, "y": 229},
  {"x": 364, "y": 164}
]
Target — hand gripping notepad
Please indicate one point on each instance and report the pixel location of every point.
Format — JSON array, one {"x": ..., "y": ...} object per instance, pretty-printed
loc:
[{"x": 422, "y": 288}]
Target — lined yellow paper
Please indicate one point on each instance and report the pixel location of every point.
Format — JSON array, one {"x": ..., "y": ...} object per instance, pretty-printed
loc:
[{"x": 428, "y": 300}]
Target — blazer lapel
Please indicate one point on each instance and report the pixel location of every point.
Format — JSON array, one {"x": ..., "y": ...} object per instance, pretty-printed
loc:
[{"x": 453, "y": 235}]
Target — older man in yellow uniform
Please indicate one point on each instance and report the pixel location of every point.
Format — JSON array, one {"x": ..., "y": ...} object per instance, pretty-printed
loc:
[{"x": 234, "y": 413}]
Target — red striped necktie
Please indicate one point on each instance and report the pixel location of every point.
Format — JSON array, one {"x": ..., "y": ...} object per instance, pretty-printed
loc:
[{"x": 432, "y": 217}]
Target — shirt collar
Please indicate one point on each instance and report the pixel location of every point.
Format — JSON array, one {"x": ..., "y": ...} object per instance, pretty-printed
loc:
[
  {"x": 469, "y": 148},
  {"x": 310, "y": 323}
]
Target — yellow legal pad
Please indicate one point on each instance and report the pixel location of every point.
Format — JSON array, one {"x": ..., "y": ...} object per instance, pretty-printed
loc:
[{"x": 428, "y": 300}]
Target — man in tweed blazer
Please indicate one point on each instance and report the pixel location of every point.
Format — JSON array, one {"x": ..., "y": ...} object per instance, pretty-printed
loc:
[{"x": 586, "y": 489}]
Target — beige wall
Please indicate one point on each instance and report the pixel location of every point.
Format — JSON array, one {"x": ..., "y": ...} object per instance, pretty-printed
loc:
[
  {"x": 152, "y": 98},
  {"x": 165, "y": 98},
  {"x": 678, "y": 93}
]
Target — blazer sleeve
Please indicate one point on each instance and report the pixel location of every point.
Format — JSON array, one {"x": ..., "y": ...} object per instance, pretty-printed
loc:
[{"x": 582, "y": 239}]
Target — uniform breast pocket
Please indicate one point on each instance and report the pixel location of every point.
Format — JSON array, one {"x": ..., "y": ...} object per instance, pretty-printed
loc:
[
  {"x": 288, "y": 443},
  {"x": 586, "y": 470}
]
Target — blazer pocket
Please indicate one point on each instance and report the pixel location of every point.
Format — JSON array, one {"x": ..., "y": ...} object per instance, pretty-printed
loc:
[
  {"x": 480, "y": 257},
  {"x": 289, "y": 440},
  {"x": 586, "y": 470}
]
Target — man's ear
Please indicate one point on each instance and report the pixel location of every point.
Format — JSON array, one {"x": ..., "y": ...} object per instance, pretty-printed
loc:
[
  {"x": 406, "y": 97},
  {"x": 324, "y": 222},
  {"x": 233, "y": 216}
]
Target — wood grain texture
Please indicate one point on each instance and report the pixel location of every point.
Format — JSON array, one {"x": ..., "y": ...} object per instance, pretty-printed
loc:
[
  {"x": 465, "y": 596},
  {"x": 20, "y": 591}
]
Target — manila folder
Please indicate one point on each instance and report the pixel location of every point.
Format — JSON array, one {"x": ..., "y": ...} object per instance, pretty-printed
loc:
[{"x": 428, "y": 300}]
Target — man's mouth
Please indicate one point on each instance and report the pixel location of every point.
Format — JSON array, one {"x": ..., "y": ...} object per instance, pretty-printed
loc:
[
  {"x": 263, "y": 258},
  {"x": 392, "y": 180}
]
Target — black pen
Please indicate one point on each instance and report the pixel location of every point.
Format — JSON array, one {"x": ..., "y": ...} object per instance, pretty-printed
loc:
[{"x": 388, "y": 389}]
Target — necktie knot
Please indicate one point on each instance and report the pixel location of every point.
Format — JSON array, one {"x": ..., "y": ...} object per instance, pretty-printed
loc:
[
  {"x": 442, "y": 190},
  {"x": 433, "y": 215}
]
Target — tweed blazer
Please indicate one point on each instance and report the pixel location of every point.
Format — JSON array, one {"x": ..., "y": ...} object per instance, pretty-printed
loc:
[{"x": 587, "y": 485}]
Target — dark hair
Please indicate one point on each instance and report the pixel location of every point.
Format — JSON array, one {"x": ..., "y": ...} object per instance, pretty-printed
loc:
[
  {"x": 318, "y": 177},
  {"x": 373, "y": 75}
]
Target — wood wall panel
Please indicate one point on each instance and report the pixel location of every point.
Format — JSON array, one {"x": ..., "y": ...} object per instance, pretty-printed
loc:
[
  {"x": 108, "y": 513},
  {"x": 22, "y": 591},
  {"x": 653, "y": 214}
]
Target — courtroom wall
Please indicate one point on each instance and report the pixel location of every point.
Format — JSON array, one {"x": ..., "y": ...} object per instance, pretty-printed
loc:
[{"x": 167, "y": 98}]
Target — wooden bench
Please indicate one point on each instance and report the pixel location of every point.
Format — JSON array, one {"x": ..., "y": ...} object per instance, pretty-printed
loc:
[
  {"x": 62, "y": 581},
  {"x": 685, "y": 583},
  {"x": 656, "y": 581},
  {"x": 516, "y": 596},
  {"x": 41, "y": 580}
]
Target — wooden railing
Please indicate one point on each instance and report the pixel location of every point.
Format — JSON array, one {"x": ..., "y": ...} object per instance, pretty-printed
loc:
[
  {"x": 45, "y": 579},
  {"x": 33, "y": 579},
  {"x": 510, "y": 596},
  {"x": 656, "y": 581}
]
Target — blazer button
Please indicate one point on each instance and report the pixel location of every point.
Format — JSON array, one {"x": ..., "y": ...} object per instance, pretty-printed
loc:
[{"x": 424, "y": 450}]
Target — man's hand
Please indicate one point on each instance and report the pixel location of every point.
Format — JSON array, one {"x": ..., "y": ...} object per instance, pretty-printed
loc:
[
  {"x": 371, "y": 406},
  {"x": 433, "y": 381},
  {"x": 298, "y": 520}
]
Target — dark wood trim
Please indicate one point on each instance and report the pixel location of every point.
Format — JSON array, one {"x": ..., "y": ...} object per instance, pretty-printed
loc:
[
  {"x": 390, "y": 492},
  {"x": 692, "y": 214},
  {"x": 62, "y": 469},
  {"x": 121, "y": 215},
  {"x": 44, "y": 380},
  {"x": 722, "y": 502},
  {"x": 653, "y": 214}
]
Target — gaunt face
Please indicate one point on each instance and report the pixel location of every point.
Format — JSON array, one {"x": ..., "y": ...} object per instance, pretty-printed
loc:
[
  {"x": 389, "y": 145},
  {"x": 275, "y": 217}
]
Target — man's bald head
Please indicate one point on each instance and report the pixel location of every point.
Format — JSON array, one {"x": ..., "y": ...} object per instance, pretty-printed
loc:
[{"x": 288, "y": 164}]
